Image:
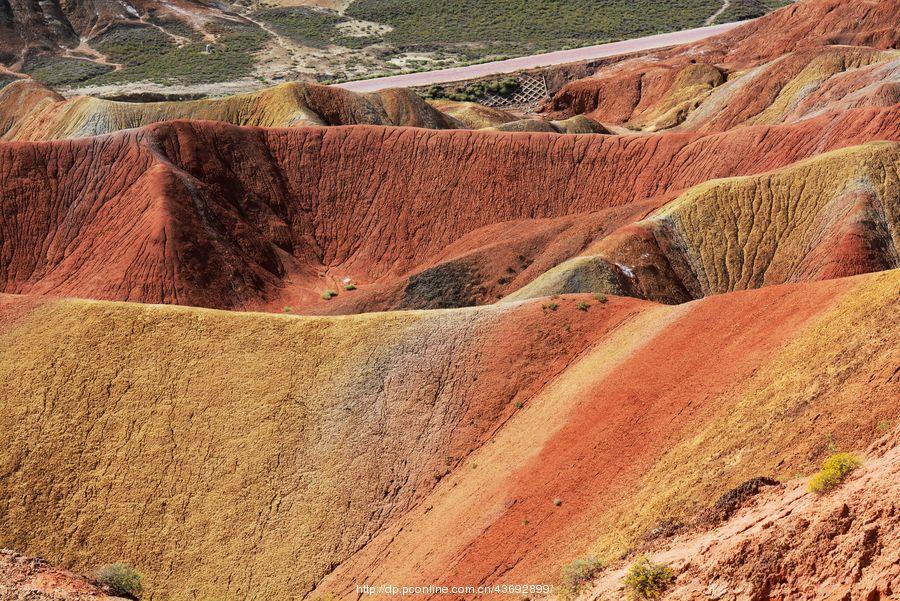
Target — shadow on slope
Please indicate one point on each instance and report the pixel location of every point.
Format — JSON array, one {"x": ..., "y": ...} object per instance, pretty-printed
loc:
[
  {"x": 835, "y": 215},
  {"x": 206, "y": 214}
]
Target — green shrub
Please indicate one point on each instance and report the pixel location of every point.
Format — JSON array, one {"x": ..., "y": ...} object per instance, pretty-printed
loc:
[
  {"x": 316, "y": 27},
  {"x": 580, "y": 572},
  {"x": 474, "y": 92},
  {"x": 329, "y": 294},
  {"x": 740, "y": 10},
  {"x": 61, "y": 72},
  {"x": 350, "y": 287},
  {"x": 303, "y": 24},
  {"x": 476, "y": 29},
  {"x": 503, "y": 87},
  {"x": 834, "y": 470},
  {"x": 647, "y": 580},
  {"x": 122, "y": 579},
  {"x": 231, "y": 57},
  {"x": 177, "y": 27},
  {"x": 133, "y": 45},
  {"x": 600, "y": 297},
  {"x": 557, "y": 502},
  {"x": 582, "y": 306},
  {"x": 356, "y": 42}
]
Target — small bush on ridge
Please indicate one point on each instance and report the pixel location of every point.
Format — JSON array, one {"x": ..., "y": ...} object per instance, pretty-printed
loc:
[
  {"x": 122, "y": 579},
  {"x": 580, "y": 572},
  {"x": 834, "y": 470},
  {"x": 647, "y": 580}
]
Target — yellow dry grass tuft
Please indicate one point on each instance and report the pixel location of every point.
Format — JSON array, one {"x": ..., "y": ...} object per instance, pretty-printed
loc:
[{"x": 834, "y": 470}]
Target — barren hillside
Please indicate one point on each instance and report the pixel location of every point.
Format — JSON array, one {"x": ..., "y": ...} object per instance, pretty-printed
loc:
[{"x": 282, "y": 344}]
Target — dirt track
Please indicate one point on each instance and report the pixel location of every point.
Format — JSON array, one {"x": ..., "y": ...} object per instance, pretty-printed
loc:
[{"x": 561, "y": 57}]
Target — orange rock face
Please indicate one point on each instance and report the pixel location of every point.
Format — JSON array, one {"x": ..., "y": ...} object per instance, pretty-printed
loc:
[
  {"x": 609, "y": 443},
  {"x": 733, "y": 78},
  {"x": 822, "y": 548},
  {"x": 32, "y": 578}
]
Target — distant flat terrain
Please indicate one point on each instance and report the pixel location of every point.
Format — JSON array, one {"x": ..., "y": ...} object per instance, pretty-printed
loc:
[
  {"x": 537, "y": 60},
  {"x": 189, "y": 48}
]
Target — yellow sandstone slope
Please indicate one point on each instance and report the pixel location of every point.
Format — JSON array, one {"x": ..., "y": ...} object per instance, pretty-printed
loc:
[
  {"x": 234, "y": 454},
  {"x": 285, "y": 105},
  {"x": 834, "y": 215}
]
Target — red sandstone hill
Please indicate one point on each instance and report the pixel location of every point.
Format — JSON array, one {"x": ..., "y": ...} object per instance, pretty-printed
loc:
[
  {"x": 705, "y": 298},
  {"x": 785, "y": 543},
  {"x": 228, "y": 454},
  {"x": 206, "y": 214},
  {"x": 825, "y": 48}
]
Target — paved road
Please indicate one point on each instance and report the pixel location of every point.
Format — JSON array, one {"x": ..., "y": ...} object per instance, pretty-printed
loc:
[{"x": 538, "y": 60}]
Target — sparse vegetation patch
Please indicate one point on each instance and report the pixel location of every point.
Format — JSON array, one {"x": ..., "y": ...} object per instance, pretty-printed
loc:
[
  {"x": 475, "y": 91},
  {"x": 133, "y": 45},
  {"x": 232, "y": 56},
  {"x": 740, "y": 10},
  {"x": 59, "y": 72},
  {"x": 513, "y": 27},
  {"x": 316, "y": 27},
  {"x": 647, "y": 580},
  {"x": 580, "y": 572},
  {"x": 122, "y": 580},
  {"x": 834, "y": 470}
]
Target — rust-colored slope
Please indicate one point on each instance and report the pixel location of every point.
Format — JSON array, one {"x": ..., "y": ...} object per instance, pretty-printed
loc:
[
  {"x": 681, "y": 92},
  {"x": 812, "y": 48},
  {"x": 253, "y": 455},
  {"x": 835, "y": 215},
  {"x": 212, "y": 215},
  {"x": 669, "y": 411},
  {"x": 472, "y": 114},
  {"x": 787, "y": 543},
  {"x": 799, "y": 86},
  {"x": 286, "y": 105},
  {"x": 809, "y": 23}
]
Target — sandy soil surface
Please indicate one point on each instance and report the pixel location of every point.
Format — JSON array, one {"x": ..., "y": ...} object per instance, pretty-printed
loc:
[{"x": 539, "y": 60}]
